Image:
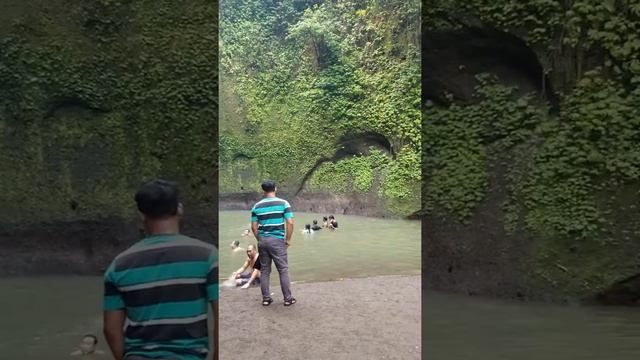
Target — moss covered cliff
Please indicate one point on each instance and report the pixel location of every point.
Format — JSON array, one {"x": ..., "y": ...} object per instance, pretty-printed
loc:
[
  {"x": 95, "y": 98},
  {"x": 531, "y": 146},
  {"x": 98, "y": 96},
  {"x": 323, "y": 97}
]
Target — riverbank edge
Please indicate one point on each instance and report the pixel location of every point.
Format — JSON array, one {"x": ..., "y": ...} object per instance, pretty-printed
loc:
[
  {"x": 480, "y": 259},
  {"x": 369, "y": 205},
  {"x": 82, "y": 247},
  {"x": 300, "y": 282}
]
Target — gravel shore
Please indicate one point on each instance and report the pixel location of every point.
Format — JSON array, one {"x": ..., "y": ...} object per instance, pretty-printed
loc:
[{"x": 365, "y": 318}]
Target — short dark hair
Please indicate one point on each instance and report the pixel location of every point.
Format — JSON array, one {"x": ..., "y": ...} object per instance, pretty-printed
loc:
[
  {"x": 236, "y": 242},
  {"x": 269, "y": 186},
  {"x": 95, "y": 339},
  {"x": 158, "y": 198}
]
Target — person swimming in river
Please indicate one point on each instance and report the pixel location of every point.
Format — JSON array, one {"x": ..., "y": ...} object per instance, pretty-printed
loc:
[
  {"x": 235, "y": 246},
  {"x": 249, "y": 272},
  {"x": 245, "y": 233},
  {"x": 87, "y": 346},
  {"x": 333, "y": 223},
  {"x": 307, "y": 229},
  {"x": 315, "y": 226},
  {"x": 325, "y": 222}
]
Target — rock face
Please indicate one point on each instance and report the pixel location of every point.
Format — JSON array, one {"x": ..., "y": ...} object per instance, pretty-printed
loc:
[
  {"x": 625, "y": 292},
  {"x": 318, "y": 203},
  {"x": 533, "y": 260},
  {"x": 89, "y": 111},
  {"x": 80, "y": 247},
  {"x": 454, "y": 59},
  {"x": 98, "y": 97},
  {"x": 479, "y": 257},
  {"x": 357, "y": 144}
]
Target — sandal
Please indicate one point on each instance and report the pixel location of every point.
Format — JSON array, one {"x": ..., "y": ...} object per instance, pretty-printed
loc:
[
  {"x": 267, "y": 302},
  {"x": 290, "y": 302}
]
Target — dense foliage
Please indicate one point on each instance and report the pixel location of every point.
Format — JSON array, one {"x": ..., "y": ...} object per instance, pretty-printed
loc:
[
  {"x": 571, "y": 36},
  {"x": 574, "y": 175},
  {"x": 99, "y": 96},
  {"x": 300, "y": 76}
]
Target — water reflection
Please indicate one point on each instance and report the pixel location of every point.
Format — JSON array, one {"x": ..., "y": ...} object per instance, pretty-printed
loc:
[{"x": 460, "y": 328}]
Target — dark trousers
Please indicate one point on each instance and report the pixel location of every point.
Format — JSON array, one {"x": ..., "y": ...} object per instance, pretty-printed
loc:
[{"x": 275, "y": 249}]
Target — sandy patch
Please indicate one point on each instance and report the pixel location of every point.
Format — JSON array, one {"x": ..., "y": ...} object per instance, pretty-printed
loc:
[{"x": 368, "y": 318}]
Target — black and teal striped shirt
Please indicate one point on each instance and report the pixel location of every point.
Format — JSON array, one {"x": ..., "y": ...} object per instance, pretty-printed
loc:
[
  {"x": 164, "y": 284},
  {"x": 270, "y": 214}
]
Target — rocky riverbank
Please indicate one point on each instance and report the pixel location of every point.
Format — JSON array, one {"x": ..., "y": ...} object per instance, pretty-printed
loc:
[
  {"x": 350, "y": 204},
  {"x": 83, "y": 247}
]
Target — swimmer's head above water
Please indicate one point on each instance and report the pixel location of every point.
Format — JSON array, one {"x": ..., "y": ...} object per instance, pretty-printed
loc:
[
  {"x": 88, "y": 344},
  {"x": 88, "y": 347},
  {"x": 235, "y": 244}
]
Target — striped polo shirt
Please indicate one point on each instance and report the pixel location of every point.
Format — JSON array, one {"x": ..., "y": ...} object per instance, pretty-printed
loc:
[
  {"x": 164, "y": 284},
  {"x": 270, "y": 214}
]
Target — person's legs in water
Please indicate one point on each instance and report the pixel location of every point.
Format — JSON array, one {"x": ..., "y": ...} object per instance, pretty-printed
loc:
[
  {"x": 265, "y": 269},
  {"x": 278, "y": 252}
]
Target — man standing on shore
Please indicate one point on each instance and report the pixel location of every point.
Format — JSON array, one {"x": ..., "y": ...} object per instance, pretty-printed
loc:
[
  {"x": 162, "y": 286},
  {"x": 272, "y": 225}
]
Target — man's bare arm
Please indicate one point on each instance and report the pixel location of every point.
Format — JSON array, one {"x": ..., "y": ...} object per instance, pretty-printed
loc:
[
  {"x": 113, "y": 328},
  {"x": 242, "y": 268},
  {"x": 216, "y": 332},
  {"x": 254, "y": 275},
  {"x": 289, "y": 231},
  {"x": 254, "y": 229}
]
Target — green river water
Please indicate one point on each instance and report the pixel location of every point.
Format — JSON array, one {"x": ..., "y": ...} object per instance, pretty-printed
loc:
[{"x": 360, "y": 247}]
